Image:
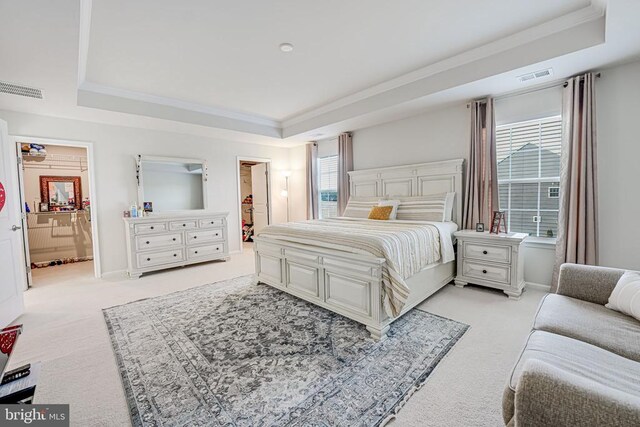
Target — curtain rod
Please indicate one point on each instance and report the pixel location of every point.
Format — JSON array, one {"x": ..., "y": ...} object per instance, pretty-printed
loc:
[{"x": 557, "y": 83}]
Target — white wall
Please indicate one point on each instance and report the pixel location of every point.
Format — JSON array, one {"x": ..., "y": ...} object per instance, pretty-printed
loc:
[
  {"x": 115, "y": 148},
  {"x": 618, "y": 113},
  {"x": 436, "y": 135}
]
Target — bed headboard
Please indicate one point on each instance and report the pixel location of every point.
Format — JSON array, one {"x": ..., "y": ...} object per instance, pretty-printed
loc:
[{"x": 421, "y": 179}]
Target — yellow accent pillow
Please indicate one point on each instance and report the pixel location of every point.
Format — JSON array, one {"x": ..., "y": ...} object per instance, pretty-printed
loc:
[{"x": 380, "y": 212}]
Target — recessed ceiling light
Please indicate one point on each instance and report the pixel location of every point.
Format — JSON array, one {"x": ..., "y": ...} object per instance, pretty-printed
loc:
[{"x": 286, "y": 47}]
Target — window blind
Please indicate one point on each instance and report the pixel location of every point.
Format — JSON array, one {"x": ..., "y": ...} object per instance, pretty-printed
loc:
[
  {"x": 328, "y": 183},
  {"x": 528, "y": 163}
]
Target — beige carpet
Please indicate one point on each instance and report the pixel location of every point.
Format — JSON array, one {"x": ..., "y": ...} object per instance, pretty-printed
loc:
[{"x": 64, "y": 328}]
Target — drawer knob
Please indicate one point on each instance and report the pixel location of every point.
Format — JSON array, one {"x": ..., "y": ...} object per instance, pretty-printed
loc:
[
  {"x": 217, "y": 249},
  {"x": 175, "y": 254},
  {"x": 212, "y": 222},
  {"x": 152, "y": 227},
  {"x": 148, "y": 259},
  {"x": 216, "y": 234},
  {"x": 485, "y": 252},
  {"x": 184, "y": 225},
  {"x": 147, "y": 242},
  {"x": 196, "y": 252},
  {"x": 195, "y": 237},
  {"x": 484, "y": 271},
  {"x": 174, "y": 239}
]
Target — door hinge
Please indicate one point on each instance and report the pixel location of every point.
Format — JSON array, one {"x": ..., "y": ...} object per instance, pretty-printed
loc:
[{"x": 19, "y": 160}]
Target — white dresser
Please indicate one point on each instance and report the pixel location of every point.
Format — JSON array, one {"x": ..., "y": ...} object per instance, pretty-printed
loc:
[
  {"x": 171, "y": 240},
  {"x": 493, "y": 260}
]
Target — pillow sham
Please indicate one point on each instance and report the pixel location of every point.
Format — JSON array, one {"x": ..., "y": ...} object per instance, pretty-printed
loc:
[
  {"x": 380, "y": 213},
  {"x": 359, "y": 207},
  {"x": 423, "y": 208},
  {"x": 625, "y": 297},
  {"x": 392, "y": 203},
  {"x": 448, "y": 206}
]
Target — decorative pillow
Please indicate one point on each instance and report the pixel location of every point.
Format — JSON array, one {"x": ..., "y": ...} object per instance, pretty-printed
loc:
[
  {"x": 448, "y": 206},
  {"x": 423, "y": 208},
  {"x": 359, "y": 207},
  {"x": 392, "y": 203},
  {"x": 380, "y": 212},
  {"x": 625, "y": 297}
]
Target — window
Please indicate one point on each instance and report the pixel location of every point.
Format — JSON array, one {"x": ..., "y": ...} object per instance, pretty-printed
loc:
[
  {"x": 328, "y": 183},
  {"x": 528, "y": 157}
]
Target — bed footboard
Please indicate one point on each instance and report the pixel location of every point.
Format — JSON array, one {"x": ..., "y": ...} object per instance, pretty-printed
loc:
[{"x": 347, "y": 284}]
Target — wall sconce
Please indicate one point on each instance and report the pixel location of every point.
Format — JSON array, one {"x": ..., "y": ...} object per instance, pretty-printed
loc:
[{"x": 285, "y": 193}]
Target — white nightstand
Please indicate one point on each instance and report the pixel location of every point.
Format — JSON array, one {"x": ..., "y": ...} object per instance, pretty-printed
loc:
[{"x": 493, "y": 260}]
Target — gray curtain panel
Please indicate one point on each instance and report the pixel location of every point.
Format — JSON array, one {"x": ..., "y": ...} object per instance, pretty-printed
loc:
[
  {"x": 481, "y": 195},
  {"x": 577, "y": 240},
  {"x": 345, "y": 164},
  {"x": 312, "y": 180}
]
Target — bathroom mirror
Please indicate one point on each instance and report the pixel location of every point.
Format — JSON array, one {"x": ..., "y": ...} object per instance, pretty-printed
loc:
[{"x": 169, "y": 184}]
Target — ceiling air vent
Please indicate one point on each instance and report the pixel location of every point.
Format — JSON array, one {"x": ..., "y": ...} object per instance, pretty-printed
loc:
[
  {"x": 540, "y": 74},
  {"x": 20, "y": 90}
]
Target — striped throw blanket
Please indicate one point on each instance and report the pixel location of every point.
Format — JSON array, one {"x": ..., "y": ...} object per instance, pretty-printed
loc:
[{"x": 406, "y": 246}]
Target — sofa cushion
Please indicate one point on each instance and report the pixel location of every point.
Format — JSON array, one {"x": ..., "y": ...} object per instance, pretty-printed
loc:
[
  {"x": 591, "y": 323},
  {"x": 574, "y": 358}
]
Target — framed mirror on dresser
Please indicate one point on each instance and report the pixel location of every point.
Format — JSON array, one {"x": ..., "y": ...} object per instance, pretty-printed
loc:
[{"x": 178, "y": 228}]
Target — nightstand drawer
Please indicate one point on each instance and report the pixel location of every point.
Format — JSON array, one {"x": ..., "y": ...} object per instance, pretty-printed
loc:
[
  {"x": 484, "y": 252},
  {"x": 494, "y": 273}
]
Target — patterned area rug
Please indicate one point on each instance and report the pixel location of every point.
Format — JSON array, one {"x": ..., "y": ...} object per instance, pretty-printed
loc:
[{"x": 235, "y": 354}]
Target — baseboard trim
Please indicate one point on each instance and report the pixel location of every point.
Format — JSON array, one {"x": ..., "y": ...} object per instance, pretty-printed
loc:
[
  {"x": 538, "y": 286},
  {"x": 116, "y": 274}
]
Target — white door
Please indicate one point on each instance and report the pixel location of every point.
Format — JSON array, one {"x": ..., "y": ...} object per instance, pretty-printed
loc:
[
  {"x": 260, "y": 190},
  {"x": 12, "y": 275}
]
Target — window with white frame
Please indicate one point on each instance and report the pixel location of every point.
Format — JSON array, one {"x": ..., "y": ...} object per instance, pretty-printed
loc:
[
  {"x": 328, "y": 183},
  {"x": 528, "y": 158}
]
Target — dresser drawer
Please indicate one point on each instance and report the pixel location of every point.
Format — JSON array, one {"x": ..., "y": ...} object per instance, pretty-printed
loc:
[
  {"x": 211, "y": 222},
  {"x": 195, "y": 252},
  {"x": 150, "y": 259},
  {"x": 484, "y": 252},
  {"x": 157, "y": 227},
  {"x": 187, "y": 224},
  {"x": 155, "y": 242},
  {"x": 494, "y": 273},
  {"x": 202, "y": 236}
]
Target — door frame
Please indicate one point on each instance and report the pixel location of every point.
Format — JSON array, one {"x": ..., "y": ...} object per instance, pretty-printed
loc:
[
  {"x": 267, "y": 161},
  {"x": 93, "y": 194}
]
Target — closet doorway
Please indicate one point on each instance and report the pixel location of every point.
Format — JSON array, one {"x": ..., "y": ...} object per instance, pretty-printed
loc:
[
  {"x": 254, "y": 198},
  {"x": 58, "y": 210}
]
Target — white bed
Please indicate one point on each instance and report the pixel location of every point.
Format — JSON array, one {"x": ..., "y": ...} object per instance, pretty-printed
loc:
[{"x": 351, "y": 284}]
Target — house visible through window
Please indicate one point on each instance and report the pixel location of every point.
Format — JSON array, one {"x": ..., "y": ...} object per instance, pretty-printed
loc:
[
  {"x": 528, "y": 157},
  {"x": 328, "y": 183}
]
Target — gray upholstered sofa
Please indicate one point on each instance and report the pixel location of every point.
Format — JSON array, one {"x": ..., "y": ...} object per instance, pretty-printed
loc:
[{"x": 581, "y": 363}]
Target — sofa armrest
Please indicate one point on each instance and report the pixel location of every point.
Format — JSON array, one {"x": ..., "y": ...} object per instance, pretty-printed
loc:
[
  {"x": 587, "y": 282},
  {"x": 548, "y": 396}
]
